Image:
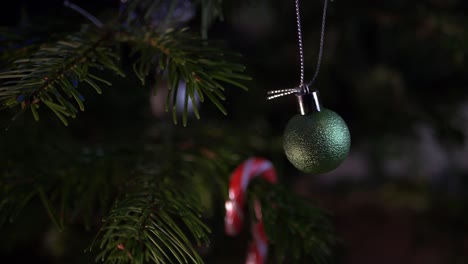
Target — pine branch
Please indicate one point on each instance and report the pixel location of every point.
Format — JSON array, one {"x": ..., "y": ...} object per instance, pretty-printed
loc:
[
  {"x": 182, "y": 56},
  {"x": 150, "y": 222},
  {"x": 297, "y": 229},
  {"x": 53, "y": 72},
  {"x": 50, "y": 75},
  {"x": 77, "y": 187},
  {"x": 14, "y": 44},
  {"x": 22, "y": 41}
]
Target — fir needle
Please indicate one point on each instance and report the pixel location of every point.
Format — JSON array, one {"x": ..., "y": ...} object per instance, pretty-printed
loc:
[{"x": 84, "y": 13}]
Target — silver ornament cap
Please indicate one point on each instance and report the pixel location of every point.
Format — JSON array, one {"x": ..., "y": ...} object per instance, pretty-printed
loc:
[{"x": 308, "y": 101}]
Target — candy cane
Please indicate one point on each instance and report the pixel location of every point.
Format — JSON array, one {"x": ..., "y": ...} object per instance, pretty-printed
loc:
[{"x": 240, "y": 179}]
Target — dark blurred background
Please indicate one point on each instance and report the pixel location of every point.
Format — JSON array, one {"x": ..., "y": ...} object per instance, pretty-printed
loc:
[{"x": 394, "y": 70}]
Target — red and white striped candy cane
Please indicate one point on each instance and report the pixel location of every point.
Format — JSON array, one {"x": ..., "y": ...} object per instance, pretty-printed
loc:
[{"x": 240, "y": 179}]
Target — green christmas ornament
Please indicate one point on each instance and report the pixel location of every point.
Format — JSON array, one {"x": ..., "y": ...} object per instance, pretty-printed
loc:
[{"x": 317, "y": 140}]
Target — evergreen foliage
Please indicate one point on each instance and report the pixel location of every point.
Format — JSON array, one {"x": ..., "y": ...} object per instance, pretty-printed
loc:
[
  {"x": 154, "y": 195},
  {"x": 307, "y": 232},
  {"x": 144, "y": 224},
  {"x": 51, "y": 74}
]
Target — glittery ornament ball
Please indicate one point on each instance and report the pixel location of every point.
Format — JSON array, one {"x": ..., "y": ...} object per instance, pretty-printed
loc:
[{"x": 317, "y": 142}]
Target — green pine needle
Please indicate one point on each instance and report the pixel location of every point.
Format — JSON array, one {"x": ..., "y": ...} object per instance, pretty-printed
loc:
[
  {"x": 148, "y": 222},
  {"x": 296, "y": 229},
  {"x": 182, "y": 56},
  {"x": 44, "y": 77}
]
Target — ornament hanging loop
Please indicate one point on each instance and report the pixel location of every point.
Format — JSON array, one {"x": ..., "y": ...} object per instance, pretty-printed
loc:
[{"x": 303, "y": 87}]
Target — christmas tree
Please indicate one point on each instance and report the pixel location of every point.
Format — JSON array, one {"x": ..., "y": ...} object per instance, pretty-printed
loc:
[
  {"x": 124, "y": 120},
  {"x": 136, "y": 176}
]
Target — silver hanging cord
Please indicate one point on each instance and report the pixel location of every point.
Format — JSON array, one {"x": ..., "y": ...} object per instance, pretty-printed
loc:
[
  {"x": 304, "y": 88},
  {"x": 278, "y": 93},
  {"x": 322, "y": 37},
  {"x": 299, "y": 37}
]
